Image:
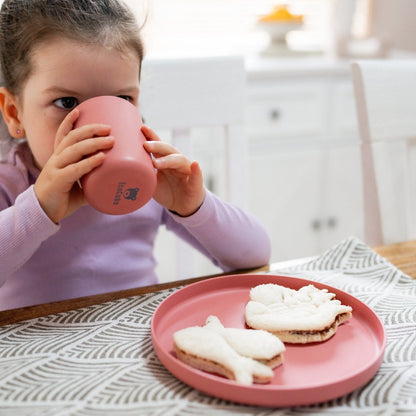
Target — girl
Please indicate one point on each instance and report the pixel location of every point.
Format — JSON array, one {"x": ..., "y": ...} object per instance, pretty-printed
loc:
[{"x": 54, "y": 55}]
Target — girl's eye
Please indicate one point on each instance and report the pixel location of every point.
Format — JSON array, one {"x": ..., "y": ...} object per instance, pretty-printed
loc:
[
  {"x": 126, "y": 97},
  {"x": 67, "y": 103}
]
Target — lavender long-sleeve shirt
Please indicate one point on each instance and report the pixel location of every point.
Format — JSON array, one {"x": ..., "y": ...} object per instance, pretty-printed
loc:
[{"x": 90, "y": 252}]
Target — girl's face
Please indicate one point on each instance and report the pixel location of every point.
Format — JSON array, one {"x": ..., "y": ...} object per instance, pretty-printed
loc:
[{"x": 65, "y": 73}]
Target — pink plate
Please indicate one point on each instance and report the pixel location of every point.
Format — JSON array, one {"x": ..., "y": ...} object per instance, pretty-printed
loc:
[{"x": 310, "y": 374}]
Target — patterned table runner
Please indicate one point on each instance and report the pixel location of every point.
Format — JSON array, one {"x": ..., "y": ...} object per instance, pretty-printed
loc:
[{"x": 99, "y": 360}]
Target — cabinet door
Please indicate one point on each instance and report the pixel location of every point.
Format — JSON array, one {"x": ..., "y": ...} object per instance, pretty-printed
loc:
[
  {"x": 285, "y": 194},
  {"x": 309, "y": 199},
  {"x": 342, "y": 214}
]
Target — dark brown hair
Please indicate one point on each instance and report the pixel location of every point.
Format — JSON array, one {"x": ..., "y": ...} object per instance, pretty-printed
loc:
[{"x": 24, "y": 24}]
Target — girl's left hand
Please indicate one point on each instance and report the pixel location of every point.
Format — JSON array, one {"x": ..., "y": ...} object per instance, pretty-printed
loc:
[{"x": 179, "y": 181}]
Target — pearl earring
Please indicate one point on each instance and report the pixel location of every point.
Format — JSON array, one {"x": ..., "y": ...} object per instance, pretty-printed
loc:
[{"x": 18, "y": 131}]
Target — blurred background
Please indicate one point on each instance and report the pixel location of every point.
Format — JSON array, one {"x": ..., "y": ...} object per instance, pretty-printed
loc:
[
  {"x": 304, "y": 165},
  {"x": 206, "y": 27},
  {"x": 304, "y": 168}
]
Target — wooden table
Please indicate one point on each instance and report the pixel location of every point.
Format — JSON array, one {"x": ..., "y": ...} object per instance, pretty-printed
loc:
[
  {"x": 29, "y": 312},
  {"x": 402, "y": 255}
]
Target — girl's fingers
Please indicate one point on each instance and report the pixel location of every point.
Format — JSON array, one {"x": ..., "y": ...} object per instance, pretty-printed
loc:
[
  {"x": 66, "y": 136},
  {"x": 167, "y": 156},
  {"x": 66, "y": 126},
  {"x": 75, "y": 171},
  {"x": 196, "y": 177},
  {"x": 175, "y": 161},
  {"x": 159, "y": 149},
  {"x": 150, "y": 134},
  {"x": 85, "y": 132},
  {"x": 83, "y": 149},
  {"x": 196, "y": 170}
]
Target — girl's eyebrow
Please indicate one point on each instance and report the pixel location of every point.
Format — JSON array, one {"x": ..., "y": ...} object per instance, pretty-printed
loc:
[
  {"x": 129, "y": 90},
  {"x": 59, "y": 90}
]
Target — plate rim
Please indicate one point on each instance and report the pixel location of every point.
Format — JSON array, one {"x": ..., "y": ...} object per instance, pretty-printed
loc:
[{"x": 364, "y": 374}]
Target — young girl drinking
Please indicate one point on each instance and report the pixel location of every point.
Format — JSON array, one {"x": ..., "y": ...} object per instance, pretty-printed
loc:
[{"x": 54, "y": 55}]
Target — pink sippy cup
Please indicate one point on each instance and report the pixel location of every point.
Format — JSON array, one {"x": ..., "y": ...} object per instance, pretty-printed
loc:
[{"x": 127, "y": 179}]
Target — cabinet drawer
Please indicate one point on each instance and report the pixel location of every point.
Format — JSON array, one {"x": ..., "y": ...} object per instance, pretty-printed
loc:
[{"x": 282, "y": 112}]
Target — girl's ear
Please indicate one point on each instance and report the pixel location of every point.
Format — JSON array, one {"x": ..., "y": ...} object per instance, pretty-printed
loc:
[{"x": 9, "y": 109}]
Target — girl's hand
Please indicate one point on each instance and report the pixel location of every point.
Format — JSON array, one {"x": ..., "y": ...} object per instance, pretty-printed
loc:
[
  {"x": 76, "y": 152},
  {"x": 179, "y": 181}
]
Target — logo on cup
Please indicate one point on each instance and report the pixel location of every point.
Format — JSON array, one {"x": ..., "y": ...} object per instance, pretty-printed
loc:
[{"x": 129, "y": 193}]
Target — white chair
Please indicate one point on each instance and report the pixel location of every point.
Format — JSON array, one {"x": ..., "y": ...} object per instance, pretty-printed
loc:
[
  {"x": 385, "y": 95},
  {"x": 183, "y": 99}
]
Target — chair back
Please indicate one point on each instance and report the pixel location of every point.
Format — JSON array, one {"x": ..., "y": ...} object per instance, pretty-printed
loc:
[
  {"x": 385, "y": 96},
  {"x": 198, "y": 104}
]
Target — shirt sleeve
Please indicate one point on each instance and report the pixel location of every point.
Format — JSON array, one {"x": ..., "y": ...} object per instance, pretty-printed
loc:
[
  {"x": 24, "y": 226},
  {"x": 232, "y": 238}
]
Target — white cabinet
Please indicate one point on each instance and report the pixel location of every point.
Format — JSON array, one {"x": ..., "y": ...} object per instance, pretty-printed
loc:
[
  {"x": 284, "y": 190},
  {"x": 278, "y": 111},
  {"x": 305, "y": 169}
]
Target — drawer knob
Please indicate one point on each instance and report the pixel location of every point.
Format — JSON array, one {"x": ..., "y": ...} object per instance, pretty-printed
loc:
[
  {"x": 332, "y": 222},
  {"x": 316, "y": 224},
  {"x": 274, "y": 114}
]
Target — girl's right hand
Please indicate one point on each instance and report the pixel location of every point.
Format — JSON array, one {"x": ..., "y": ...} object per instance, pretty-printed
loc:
[{"x": 76, "y": 152}]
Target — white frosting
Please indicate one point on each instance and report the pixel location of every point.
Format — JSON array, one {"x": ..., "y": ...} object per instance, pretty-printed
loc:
[
  {"x": 276, "y": 308},
  {"x": 210, "y": 345},
  {"x": 252, "y": 343}
]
